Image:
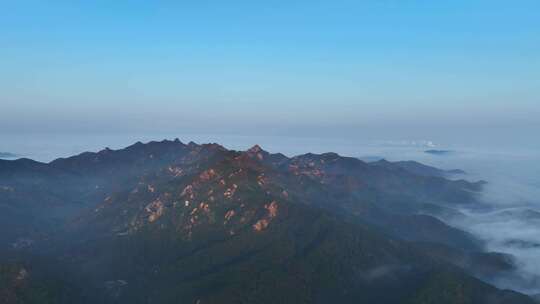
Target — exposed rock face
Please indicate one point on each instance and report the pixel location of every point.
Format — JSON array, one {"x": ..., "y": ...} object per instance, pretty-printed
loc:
[
  {"x": 176, "y": 171},
  {"x": 261, "y": 224},
  {"x": 207, "y": 175},
  {"x": 188, "y": 191},
  {"x": 272, "y": 211},
  {"x": 155, "y": 209},
  {"x": 229, "y": 215},
  {"x": 256, "y": 151}
]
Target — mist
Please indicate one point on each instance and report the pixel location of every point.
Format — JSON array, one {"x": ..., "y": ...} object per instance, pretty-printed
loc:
[{"x": 508, "y": 217}]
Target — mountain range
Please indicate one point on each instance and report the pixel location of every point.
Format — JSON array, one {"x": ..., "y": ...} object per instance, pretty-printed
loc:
[{"x": 168, "y": 222}]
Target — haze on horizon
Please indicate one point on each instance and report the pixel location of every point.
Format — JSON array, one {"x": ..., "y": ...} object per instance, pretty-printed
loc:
[{"x": 415, "y": 67}]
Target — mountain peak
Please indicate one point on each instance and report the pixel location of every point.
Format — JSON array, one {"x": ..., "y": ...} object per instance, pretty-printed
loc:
[{"x": 255, "y": 149}]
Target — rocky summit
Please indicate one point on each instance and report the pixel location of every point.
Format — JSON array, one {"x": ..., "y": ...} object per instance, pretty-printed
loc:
[{"x": 168, "y": 222}]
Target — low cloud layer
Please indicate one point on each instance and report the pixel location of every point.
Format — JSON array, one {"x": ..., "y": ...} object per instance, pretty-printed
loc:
[{"x": 509, "y": 218}]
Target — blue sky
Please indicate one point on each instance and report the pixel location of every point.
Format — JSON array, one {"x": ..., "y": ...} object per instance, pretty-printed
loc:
[{"x": 228, "y": 66}]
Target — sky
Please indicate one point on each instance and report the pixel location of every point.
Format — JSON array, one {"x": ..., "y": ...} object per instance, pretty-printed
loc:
[{"x": 276, "y": 67}]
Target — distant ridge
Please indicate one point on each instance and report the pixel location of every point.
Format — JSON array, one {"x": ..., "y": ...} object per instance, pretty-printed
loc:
[{"x": 439, "y": 152}]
